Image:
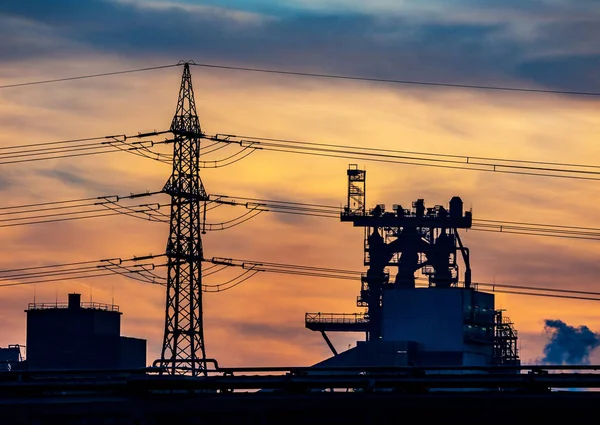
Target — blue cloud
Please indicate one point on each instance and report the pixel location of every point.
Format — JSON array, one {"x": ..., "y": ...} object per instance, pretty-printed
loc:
[
  {"x": 568, "y": 344},
  {"x": 568, "y": 72},
  {"x": 444, "y": 49},
  {"x": 268, "y": 7}
]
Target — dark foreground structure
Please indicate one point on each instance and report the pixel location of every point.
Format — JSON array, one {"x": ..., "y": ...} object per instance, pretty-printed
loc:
[
  {"x": 76, "y": 335},
  {"x": 332, "y": 396}
]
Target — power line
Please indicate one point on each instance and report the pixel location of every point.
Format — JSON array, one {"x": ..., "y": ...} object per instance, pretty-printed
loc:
[
  {"x": 67, "y": 210},
  {"x": 395, "y": 81},
  {"x": 574, "y": 235},
  {"x": 77, "y": 263},
  {"x": 142, "y": 272},
  {"x": 468, "y": 158},
  {"x": 57, "y": 220},
  {"x": 436, "y": 160},
  {"x": 79, "y": 270},
  {"x": 84, "y": 147},
  {"x": 329, "y": 211},
  {"x": 58, "y": 142},
  {"x": 110, "y": 144},
  {"x": 249, "y": 144},
  {"x": 295, "y": 269},
  {"x": 313, "y": 75},
  {"x": 108, "y": 267},
  {"x": 102, "y": 206},
  {"x": 41, "y": 204},
  {"x": 82, "y": 77}
]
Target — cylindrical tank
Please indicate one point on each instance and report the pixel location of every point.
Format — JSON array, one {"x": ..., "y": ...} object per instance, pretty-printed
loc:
[{"x": 456, "y": 207}]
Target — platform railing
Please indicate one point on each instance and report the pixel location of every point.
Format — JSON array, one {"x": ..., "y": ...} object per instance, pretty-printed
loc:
[
  {"x": 65, "y": 305},
  {"x": 336, "y": 318}
]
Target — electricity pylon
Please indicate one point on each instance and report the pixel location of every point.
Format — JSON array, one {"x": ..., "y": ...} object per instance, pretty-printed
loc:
[{"x": 183, "y": 344}]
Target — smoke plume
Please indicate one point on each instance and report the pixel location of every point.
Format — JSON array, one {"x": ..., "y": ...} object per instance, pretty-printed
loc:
[{"x": 569, "y": 345}]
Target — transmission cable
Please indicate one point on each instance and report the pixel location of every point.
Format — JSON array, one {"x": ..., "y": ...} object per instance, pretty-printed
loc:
[
  {"x": 437, "y": 160},
  {"x": 73, "y": 271},
  {"x": 151, "y": 212},
  {"x": 312, "y": 75},
  {"x": 67, "y": 210},
  {"x": 294, "y": 269},
  {"x": 232, "y": 283},
  {"x": 110, "y": 144},
  {"x": 397, "y": 151},
  {"x": 395, "y": 81},
  {"x": 328, "y": 211},
  {"x": 82, "y": 77},
  {"x": 236, "y": 157},
  {"x": 85, "y": 269},
  {"x": 77, "y": 147}
]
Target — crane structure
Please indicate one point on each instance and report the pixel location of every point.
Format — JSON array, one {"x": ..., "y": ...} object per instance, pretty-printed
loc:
[
  {"x": 183, "y": 351},
  {"x": 421, "y": 238}
]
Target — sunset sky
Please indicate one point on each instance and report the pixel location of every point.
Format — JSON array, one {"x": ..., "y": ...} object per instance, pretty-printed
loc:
[{"x": 545, "y": 44}]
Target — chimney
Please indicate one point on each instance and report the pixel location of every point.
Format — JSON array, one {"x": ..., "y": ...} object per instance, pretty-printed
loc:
[{"x": 74, "y": 301}]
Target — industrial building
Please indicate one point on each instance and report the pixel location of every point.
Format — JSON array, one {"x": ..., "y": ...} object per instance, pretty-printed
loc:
[
  {"x": 79, "y": 336},
  {"x": 446, "y": 323},
  {"x": 11, "y": 358}
]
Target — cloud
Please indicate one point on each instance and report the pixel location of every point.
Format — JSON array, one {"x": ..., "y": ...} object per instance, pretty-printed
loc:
[
  {"x": 76, "y": 178},
  {"x": 73, "y": 178},
  {"x": 26, "y": 38},
  {"x": 218, "y": 10},
  {"x": 566, "y": 71},
  {"x": 567, "y": 344},
  {"x": 6, "y": 182},
  {"x": 461, "y": 43}
]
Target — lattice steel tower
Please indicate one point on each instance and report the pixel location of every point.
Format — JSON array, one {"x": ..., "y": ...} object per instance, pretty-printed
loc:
[{"x": 183, "y": 345}]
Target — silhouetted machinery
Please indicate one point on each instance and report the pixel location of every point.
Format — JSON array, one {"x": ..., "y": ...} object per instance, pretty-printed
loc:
[
  {"x": 447, "y": 322},
  {"x": 421, "y": 238}
]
